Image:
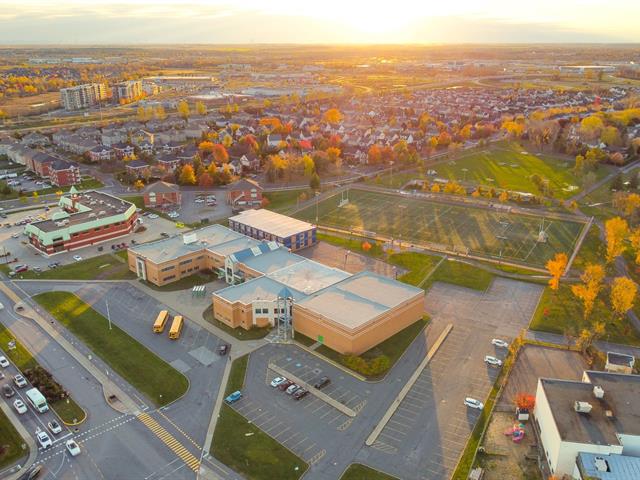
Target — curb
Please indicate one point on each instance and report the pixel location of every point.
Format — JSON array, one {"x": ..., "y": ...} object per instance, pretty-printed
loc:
[{"x": 26, "y": 437}]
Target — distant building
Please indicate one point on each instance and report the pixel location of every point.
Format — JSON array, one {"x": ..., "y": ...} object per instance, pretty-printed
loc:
[
  {"x": 271, "y": 226},
  {"x": 84, "y": 219},
  {"x": 82, "y": 96},
  {"x": 128, "y": 91},
  {"x": 619, "y": 363},
  {"x": 162, "y": 193},
  {"x": 245, "y": 193},
  {"x": 63, "y": 173}
]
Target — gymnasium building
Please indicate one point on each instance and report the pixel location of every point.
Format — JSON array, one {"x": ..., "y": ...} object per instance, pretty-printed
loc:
[
  {"x": 84, "y": 219},
  {"x": 269, "y": 285},
  {"x": 267, "y": 225}
]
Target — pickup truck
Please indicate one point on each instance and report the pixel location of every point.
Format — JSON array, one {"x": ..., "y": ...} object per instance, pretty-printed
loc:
[{"x": 234, "y": 397}]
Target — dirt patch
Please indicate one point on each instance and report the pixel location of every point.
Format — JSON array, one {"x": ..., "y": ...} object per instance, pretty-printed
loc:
[{"x": 503, "y": 458}]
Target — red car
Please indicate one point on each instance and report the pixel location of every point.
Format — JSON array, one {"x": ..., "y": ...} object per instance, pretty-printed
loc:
[{"x": 285, "y": 385}]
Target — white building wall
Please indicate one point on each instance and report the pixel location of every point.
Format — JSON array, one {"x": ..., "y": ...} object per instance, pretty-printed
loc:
[
  {"x": 631, "y": 444},
  {"x": 549, "y": 434}
]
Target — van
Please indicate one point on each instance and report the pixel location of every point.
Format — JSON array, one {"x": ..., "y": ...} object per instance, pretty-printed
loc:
[
  {"x": 161, "y": 321},
  {"x": 37, "y": 400},
  {"x": 176, "y": 327}
]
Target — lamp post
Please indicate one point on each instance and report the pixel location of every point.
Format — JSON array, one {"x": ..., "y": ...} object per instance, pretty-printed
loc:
[{"x": 108, "y": 315}]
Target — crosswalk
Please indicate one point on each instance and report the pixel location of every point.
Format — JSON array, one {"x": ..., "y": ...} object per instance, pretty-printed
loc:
[{"x": 170, "y": 441}]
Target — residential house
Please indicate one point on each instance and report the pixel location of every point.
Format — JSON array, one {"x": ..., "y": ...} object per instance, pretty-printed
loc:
[
  {"x": 245, "y": 193},
  {"x": 160, "y": 194},
  {"x": 100, "y": 153},
  {"x": 122, "y": 150},
  {"x": 35, "y": 139},
  {"x": 168, "y": 161},
  {"x": 113, "y": 136},
  {"x": 137, "y": 168}
]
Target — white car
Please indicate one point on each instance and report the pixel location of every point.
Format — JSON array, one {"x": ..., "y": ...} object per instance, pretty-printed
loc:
[
  {"x": 473, "y": 403},
  {"x": 54, "y": 427},
  {"x": 499, "y": 343},
  {"x": 77, "y": 258},
  {"x": 43, "y": 439},
  {"x": 1, "y": 306},
  {"x": 20, "y": 406},
  {"x": 278, "y": 381},
  {"x": 15, "y": 235},
  {"x": 491, "y": 360},
  {"x": 291, "y": 390},
  {"x": 73, "y": 448},
  {"x": 4, "y": 363},
  {"x": 19, "y": 381},
  {"x": 153, "y": 216},
  {"x": 199, "y": 200}
]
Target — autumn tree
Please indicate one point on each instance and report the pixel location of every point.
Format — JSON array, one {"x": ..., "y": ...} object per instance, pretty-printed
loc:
[
  {"x": 201, "y": 108},
  {"x": 183, "y": 109},
  {"x": 525, "y": 401},
  {"x": 187, "y": 175},
  {"x": 332, "y": 116},
  {"x": 589, "y": 335},
  {"x": 309, "y": 166},
  {"x": 623, "y": 295},
  {"x": 314, "y": 182},
  {"x": 504, "y": 196},
  {"x": 374, "y": 154},
  {"x": 159, "y": 113},
  {"x": 556, "y": 267},
  {"x": 616, "y": 230},
  {"x": 220, "y": 153},
  {"x": 591, "y": 126},
  {"x": 205, "y": 180},
  {"x": 138, "y": 185},
  {"x": 588, "y": 290},
  {"x": 206, "y": 146},
  {"x": 634, "y": 239}
]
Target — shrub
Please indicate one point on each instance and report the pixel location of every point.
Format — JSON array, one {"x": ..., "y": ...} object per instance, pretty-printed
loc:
[{"x": 377, "y": 366}]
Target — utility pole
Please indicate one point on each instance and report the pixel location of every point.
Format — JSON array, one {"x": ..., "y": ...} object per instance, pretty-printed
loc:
[{"x": 108, "y": 315}]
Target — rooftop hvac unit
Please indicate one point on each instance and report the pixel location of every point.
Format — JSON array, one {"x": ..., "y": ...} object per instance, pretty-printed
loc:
[
  {"x": 598, "y": 392},
  {"x": 601, "y": 464},
  {"x": 189, "y": 238},
  {"x": 92, "y": 214},
  {"x": 102, "y": 212},
  {"x": 582, "y": 407}
]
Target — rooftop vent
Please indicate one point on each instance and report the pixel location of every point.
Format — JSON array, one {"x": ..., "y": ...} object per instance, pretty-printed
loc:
[
  {"x": 582, "y": 407},
  {"x": 608, "y": 413},
  {"x": 601, "y": 464},
  {"x": 189, "y": 238},
  {"x": 102, "y": 212},
  {"x": 598, "y": 392}
]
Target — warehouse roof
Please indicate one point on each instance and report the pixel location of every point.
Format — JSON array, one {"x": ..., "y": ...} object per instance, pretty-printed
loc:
[
  {"x": 272, "y": 222},
  {"x": 608, "y": 467},
  {"x": 261, "y": 288},
  {"x": 272, "y": 261},
  {"x": 359, "y": 299}
]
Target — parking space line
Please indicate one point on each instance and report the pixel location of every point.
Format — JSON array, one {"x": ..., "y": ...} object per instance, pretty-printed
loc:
[
  {"x": 308, "y": 448},
  {"x": 299, "y": 442},
  {"x": 337, "y": 417},
  {"x": 386, "y": 435},
  {"x": 395, "y": 430},
  {"x": 273, "y": 426},
  {"x": 281, "y": 432},
  {"x": 402, "y": 425}
]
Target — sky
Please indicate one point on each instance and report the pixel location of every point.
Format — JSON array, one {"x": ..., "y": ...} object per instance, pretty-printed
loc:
[{"x": 325, "y": 21}]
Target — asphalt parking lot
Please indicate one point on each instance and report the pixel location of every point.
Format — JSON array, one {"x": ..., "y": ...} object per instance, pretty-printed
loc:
[
  {"x": 428, "y": 432},
  {"x": 24, "y": 253},
  {"x": 309, "y": 427},
  {"x": 192, "y": 212}
]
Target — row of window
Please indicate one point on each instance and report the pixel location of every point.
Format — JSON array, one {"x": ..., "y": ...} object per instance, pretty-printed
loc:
[{"x": 265, "y": 311}]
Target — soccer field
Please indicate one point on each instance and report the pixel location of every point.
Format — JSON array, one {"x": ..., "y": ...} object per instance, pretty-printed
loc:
[{"x": 485, "y": 232}]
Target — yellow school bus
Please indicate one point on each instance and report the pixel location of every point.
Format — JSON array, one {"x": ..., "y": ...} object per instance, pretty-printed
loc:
[
  {"x": 176, "y": 327},
  {"x": 161, "y": 321}
]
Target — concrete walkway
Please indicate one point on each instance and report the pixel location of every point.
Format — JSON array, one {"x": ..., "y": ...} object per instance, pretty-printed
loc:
[
  {"x": 18, "y": 470},
  {"x": 602, "y": 345},
  {"x": 113, "y": 394}
]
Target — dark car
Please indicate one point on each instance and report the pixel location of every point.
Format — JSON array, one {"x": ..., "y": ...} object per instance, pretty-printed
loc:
[
  {"x": 164, "y": 234},
  {"x": 7, "y": 391},
  {"x": 285, "y": 385},
  {"x": 223, "y": 349},
  {"x": 33, "y": 473},
  {"x": 322, "y": 382},
  {"x": 300, "y": 393}
]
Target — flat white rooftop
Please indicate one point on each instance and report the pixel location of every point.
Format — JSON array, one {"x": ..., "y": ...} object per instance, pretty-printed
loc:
[
  {"x": 308, "y": 276},
  {"x": 272, "y": 222}
]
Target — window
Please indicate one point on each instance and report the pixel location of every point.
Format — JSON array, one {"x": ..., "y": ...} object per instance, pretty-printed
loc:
[
  {"x": 184, "y": 262},
  {"x": 170, "y": 277},
  {"x": 166, "y": 269},
  {"x": 258, "y": 311}
]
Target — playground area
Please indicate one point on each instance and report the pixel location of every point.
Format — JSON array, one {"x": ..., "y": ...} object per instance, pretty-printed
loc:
[{"x": 493, "y": 232}]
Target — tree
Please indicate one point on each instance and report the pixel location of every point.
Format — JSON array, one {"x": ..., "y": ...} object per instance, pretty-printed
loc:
[
  {"x": 309, "y": 166},
  {"x": 332, "y": 116},
  {"x": 205, "y": 180},
  {"x": 623, "y": 295},
  {"x": 201, "y": 108},
  {"x": 634, "y": 239},
  {"x": 610, "y": 136},
  {"x": 314, "y": 182},
  {"x": 590, "y": 287},
  {"x": 187, "y": 175},
  {"x": 374, "y": 155},
  {"x": 220, "y": 153},
  {"x": 591, "y": 126},
  {"x": 206, "y": 146},
  {"x": 589, "y": 335},
  {"x": 138, "y": 185},
  {"x": 616, "y": 230},
  {"x": 504, "y": 196},
  {"x": 525, "y": 401},
  {"x": 183, "y": 109},
  {"x": 159, "y": 113},
  {"x": 333, "y": 153},
  {"x": 556, "y": 267}
]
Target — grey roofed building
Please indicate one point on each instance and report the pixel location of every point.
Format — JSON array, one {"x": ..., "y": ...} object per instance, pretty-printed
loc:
[
  {"x": 594, "y": 466},
  {"x": 260, "y": 288}
]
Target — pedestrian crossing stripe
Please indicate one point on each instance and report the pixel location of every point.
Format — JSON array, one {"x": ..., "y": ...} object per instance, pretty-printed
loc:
[{"x": 170, "y": 441}]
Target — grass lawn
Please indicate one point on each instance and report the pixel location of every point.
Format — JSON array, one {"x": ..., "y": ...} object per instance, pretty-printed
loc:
[
  {"x": 461, "y": 274},
  {"x": 285, "y": 199},
  {"x": 561, "y": 310},
  {"x": 137, "y": 200},
  {"x": 143, "y": 369},
  {"x": 354, "y": 244},
  {"x": 509, "y": 166},
  {"x": 239, "y": 333},
  {"x": 592, "y": 251},
  {"x": 393, "y": 347},
  {"x": 486, "y": 232},
  {"x": 357, "y": 471},
  {"x": 11, "y": 443},
  {"x": 85, "y": 184},
  {"x": 191, "y": 281},
  {"x": 244, "y": 447},
  {"x": 418, "y": 265},
  {"x": 103, "y": 267},
  {"x": 395, "y": 180},
  {"x": 67, "y": 409}
]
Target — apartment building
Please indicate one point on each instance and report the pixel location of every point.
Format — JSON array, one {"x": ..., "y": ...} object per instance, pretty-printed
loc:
[{"x": 82, "y": 96}]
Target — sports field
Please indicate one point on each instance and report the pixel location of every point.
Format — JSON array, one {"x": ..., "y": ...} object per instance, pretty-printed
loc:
[{"x": 485, "y": 232}]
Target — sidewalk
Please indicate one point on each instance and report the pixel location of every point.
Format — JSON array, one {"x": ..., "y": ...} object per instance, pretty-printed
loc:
[
  {"x": 602, "y": 345},
  {"x": 123, "y": 403}
]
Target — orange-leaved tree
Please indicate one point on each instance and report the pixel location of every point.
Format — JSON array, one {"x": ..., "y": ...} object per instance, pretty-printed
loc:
[
  {"x": 616, "y": 230},
  {"x": 556, "y": 267},
  {"x": 588, "y": 290},
  {"x": 623, "y": 295}
]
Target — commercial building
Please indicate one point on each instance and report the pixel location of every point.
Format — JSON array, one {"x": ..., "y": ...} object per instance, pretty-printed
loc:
[
  {"x": 598, "y": 415},
  {"x": 128, "y": 91},
  {"x": 160, "y": 194},
  {"x": 271, "y": 226},
  {"x": 271, "y": 286},
  {"x": 82, "y": 96},
  {"x": 84, "y": 219}
]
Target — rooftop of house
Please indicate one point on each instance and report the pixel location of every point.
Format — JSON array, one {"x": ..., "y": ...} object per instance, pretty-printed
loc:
[
  {"x": 162, "y": 187},
  {"x": 359, "y": 299},
  {"x": 597, "y": 466},
  {"x": 272, "y": 222}
]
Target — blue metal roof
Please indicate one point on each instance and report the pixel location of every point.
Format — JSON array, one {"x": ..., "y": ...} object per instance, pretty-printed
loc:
[{"x": 618, "y": 467}]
